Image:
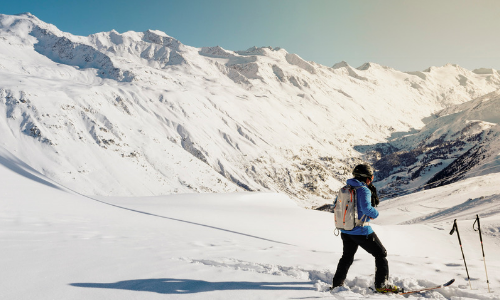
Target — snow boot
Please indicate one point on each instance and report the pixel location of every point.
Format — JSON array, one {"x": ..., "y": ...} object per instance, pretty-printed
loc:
[
  {"x": 389, "y": 289},
  {"x": 336, "y": 285}
]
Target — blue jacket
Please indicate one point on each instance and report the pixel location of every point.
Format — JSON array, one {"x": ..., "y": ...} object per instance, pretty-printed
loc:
[{"x": 364, "y": 203}]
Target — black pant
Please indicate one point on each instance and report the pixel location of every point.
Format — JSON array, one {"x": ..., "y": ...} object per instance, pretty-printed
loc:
[{"x": 372, "y": 245}]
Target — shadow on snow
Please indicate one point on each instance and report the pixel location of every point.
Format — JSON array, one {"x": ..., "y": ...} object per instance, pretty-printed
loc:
[
  {"x": 190, "y": 286},
  {"x": 17, "y": 166}
]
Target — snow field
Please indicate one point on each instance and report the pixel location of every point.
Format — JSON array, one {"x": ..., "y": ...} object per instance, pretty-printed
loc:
[{"x": 61, "y": 245}]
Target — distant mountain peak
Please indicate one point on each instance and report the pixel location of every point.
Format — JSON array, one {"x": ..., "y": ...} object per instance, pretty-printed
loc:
[
  {"x": 341, "y": 64},
  {"x": 27, "y": 14},
  {"x": 485, "y": 71},
  {"x": 265, "y": 51},
  {"x": 372, "y": 65},
  {"x": 365, "y": 66},
  {"x": 216, "y": 51}
]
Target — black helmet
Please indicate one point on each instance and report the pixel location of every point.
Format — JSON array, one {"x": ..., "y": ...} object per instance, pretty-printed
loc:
[{"x": 363, "y": 171}]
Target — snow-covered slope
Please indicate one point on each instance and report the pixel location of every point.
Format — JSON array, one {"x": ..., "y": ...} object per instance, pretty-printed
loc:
[
  {"x": 57, "y": 244},
  {"x": 139, "y": 113},
  {"x": 460, "y": 141}
]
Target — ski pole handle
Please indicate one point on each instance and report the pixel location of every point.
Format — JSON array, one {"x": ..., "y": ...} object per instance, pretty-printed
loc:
[
  {"x": 454, "y": 227},
  {"x": 478, "y": 228},
  {"x": 475, "y": 221}
]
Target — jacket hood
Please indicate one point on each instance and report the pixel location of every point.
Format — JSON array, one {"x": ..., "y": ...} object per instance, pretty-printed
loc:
[{"x": 355, "y": 182}]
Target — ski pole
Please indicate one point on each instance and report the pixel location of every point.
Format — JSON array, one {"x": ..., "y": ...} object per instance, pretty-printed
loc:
[
  {"x": 482, "y": 248},
  {"x": 455, "y": 227}
]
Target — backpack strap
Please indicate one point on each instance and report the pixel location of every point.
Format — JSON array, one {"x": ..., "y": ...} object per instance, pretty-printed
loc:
[{"x": 362, "y": 222}]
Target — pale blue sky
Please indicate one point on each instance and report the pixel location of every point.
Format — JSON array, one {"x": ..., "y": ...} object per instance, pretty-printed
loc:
[{"x": 405, "y": 35}]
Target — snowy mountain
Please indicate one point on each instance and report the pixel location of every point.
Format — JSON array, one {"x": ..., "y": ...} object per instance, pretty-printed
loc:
[
  {"x": 460, "y": 141},
  {"x": 141, "y": 114}
]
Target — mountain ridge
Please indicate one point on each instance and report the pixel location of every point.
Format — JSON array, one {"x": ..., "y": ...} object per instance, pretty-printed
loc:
[{"x": 186, "y": 119}]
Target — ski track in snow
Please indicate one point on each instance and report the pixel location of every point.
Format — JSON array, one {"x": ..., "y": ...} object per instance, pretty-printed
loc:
[
  {"x": 486, "y": 206},
  {"x": 295, "y": 272},
  {"x": 357, "y": 288}
]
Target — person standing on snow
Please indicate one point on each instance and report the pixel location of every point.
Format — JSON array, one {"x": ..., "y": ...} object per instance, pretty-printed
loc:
[{"x": 364, "y": 236}]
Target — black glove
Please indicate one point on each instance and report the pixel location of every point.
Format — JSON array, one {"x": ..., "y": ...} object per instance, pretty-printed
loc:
[{"x": 375, "y": 200}]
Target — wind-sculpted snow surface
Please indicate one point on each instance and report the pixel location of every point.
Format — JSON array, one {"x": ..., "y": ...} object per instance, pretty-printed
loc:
[{"x": 88, "y": 110}]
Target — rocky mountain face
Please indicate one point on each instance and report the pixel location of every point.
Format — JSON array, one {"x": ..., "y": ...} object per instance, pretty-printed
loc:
[
  {"x": 139, "y": 113},
  {"x": 458, "y": 142}
]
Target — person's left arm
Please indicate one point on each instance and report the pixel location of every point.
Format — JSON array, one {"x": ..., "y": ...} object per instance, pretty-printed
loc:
[{"x": 365, "y": 203}]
